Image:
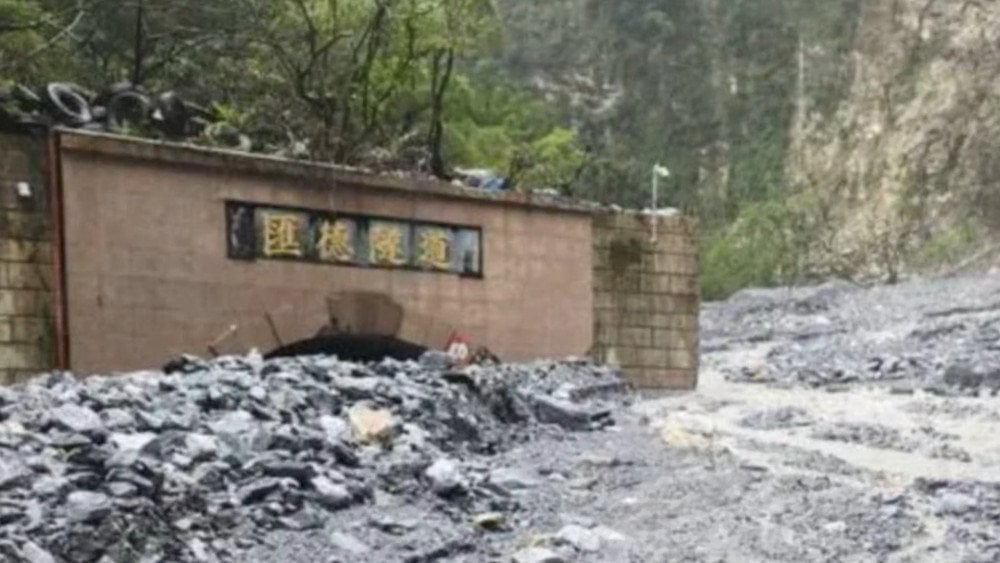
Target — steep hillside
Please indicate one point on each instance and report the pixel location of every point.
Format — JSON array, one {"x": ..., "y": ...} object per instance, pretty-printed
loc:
[
  {"x": 907, "y": 162},
  {"x": 850, "y": 138}
]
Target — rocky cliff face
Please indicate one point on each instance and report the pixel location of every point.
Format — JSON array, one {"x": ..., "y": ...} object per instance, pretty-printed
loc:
[
  {"x": 909, "y": 154},
  {"x": 874, "y": 120}
]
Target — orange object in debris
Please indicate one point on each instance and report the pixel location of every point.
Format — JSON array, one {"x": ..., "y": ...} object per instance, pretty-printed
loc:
[{"x": 458, "y": 348}]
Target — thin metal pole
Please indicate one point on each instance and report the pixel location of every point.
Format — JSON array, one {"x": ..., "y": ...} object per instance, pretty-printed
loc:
[
  {"x": 653, "y": 219},
  {"x": 656, "y": 188},
  {"x": 137, "y": 47}
]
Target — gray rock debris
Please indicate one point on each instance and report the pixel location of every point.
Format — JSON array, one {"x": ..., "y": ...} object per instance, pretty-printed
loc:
[
  {"x": 446, "y": 478},
  {"x": 349, "y": 543},
  {"x": 201, "y": 446},
  {"x": 87, "y": 506},
  {"x": 955, "y": 503},
  {"x": 77, "y": 419},
  {"x": 13, "y": 473},
  {"x": 333, "y": 496},
  {"x": 569, "y": 415},
  {"x": 779, "y": 418},
  {"x": 579, "y": 537},
  {"x": 203, "y": 462},
  {"x": 34, "y": 553},
  {"x": 512, "y": 479},
  {"x": 537, "y": 555}
]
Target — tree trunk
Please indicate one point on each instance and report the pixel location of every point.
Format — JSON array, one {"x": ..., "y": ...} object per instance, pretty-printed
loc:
[
  {"x": 137, "y": 47},
  {"x": 439, "y": 85}
]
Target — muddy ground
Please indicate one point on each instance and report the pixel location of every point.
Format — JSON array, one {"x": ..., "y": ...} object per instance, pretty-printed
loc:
[
  {"x": 832, "y": 423},
  {"x": 824, "y": 429}
]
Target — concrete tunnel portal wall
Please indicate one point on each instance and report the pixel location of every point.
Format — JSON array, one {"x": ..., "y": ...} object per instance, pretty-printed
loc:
[{"x": 126, "y": 252}]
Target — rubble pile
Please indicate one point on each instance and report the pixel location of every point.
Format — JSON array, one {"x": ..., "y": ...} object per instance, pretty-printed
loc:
[
  {"x": 198, "y": 462},
  {"x": 778, "y": 419},
  {"x": 838, "y": 334},
  {"x": 971, "y": 512}
]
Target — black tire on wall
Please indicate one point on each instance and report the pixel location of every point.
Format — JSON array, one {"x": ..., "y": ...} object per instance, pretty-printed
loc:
[
  {"x": 127, "y": 107},
  {"x": 67, "y": 104}
]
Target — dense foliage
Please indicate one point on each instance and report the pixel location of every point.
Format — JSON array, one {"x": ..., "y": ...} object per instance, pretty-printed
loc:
[
  {"x": 394, "y": 83},
  {"x": 579, "y": 95}
]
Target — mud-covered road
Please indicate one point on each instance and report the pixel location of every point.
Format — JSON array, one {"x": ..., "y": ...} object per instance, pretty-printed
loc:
[
  {"x": 825, "y": 428},
  {"x": 833, "y": 423}
]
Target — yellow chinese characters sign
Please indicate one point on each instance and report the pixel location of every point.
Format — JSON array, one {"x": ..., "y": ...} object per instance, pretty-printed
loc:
[
  {"x": 282, "y": 234},
  {"x": 434, "y": 248},
  {"x": 257, "y": 231},
  {"x": 336, "y": 240},
  {"x": 387, "y": 244}
]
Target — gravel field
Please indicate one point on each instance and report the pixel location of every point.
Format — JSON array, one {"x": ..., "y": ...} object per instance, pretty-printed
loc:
[{"x": 833, "y": 423}]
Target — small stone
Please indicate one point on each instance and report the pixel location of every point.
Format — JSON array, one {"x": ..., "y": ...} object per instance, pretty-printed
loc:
[
  {"x": 199, "y": 550},
  {"x": 344, "y": 454},
  {"x": 285, "y": 438},
  {"x": 582, "y": 483},
  {"x": 371, "y": 425},
  {"x": 333, "y": 427},
  {"x": 183, "y": 524},
  {"x": 333, "y": 496},
  {"x": 216, "y": 396},
  {"x": 220, "y": 545},
  {"x": 304, "y": 519},
  {"x": 258, "y": 393},
  {"x": 258, "y": 490},
  {"x": 446, "y": 478},
  {"x": 566, "y": 414},
  {"x": 150, "y": 421},
  {"x": 838, "y": 527},
  {"x": 34, "y": 514},
  {"x": 87, "y": 506},
  {"x": 122, "y": 489},
  {"x": 181, "y": 460},
  {"x": 956, "y": 503},
  {"x": 75, "y": 418},
  {"x": 512, "y": 480},
  {"x": 609, "y": 535},
  {"x": 579, "y": 537},
  {"x": 300, "y": 471},
  {"x": 349, "y": 543},
  {"x": 201, "y": 446},
  {"x": 536, "y": 555},
  {"x": 234, "y": 424},
  {"x": 237, "y": 431},
  {"x": 49, "y": 486},
  {"x": 13, "y": 473},
  {"x": 69, "y": 441},
  {"x": 117, "y": 418},
  {"x": 358, "y": 388},
  {"x": 11, "y": 513},
  {"x": 390, "y": 525},
  {"x": 435, "y": 360},
  {"x": 34, "y": 553},
  {"x": 490, "y": 521},
  {"x": 141, "y": 442}
]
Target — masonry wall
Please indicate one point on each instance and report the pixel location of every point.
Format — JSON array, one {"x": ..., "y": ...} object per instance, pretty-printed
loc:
[
  {"x": 646, "y": 298},
  {"x": 148, "y": 276},
  {"x": 26, "y": 305}
]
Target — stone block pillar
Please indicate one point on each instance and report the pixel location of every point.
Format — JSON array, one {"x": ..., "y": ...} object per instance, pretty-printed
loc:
[
  {"x": 27, "y": 341},
  {"x": 646, "y": 298}
]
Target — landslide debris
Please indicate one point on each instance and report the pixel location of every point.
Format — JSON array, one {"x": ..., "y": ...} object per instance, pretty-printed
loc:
[{"x": 199, "y": 463}]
